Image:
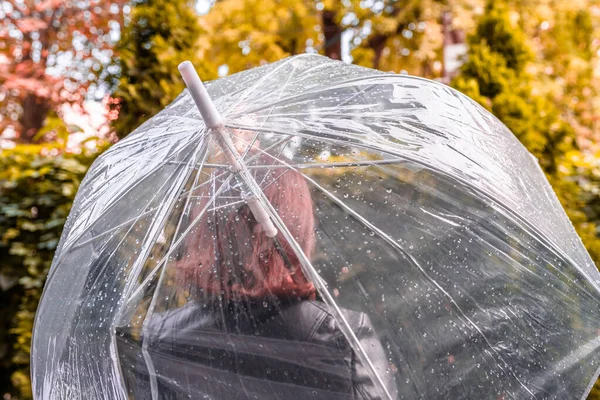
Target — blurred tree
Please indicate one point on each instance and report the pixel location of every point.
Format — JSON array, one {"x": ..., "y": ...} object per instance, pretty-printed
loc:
[
  {"x": 541, "y": 101},
  {"x": 496, "y": 75},
  {"x": 408, "y": 36},
  {"x": 399, "y": 36},
  {"x": 388, "y": 35},
  {"x": 248, "y": 33},
  {"x": 149, "y": 51},
  {"x": 37, "y": 187},
  {"x": 564, "y": 38},
  {"x": 49, "y": 51}
]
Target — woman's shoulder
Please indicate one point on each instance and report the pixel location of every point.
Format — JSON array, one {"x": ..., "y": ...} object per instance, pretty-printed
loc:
[{"x": 317, "y": 321}]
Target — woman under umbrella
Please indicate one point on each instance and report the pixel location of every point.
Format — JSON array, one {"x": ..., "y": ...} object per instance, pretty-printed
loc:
[{"x": 254, "y": 328}]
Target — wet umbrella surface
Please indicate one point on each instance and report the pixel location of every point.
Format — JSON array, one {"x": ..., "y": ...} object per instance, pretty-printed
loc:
[{"x": 349, "y": 234}]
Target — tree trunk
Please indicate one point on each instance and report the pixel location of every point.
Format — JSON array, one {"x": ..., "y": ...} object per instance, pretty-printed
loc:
[
  {"x": 333, "y": 35},
  {"x": 35, "y": 110},
  {"x": 377, "y": 44}
]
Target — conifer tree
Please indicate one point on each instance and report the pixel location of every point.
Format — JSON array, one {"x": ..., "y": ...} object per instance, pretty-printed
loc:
[
  {"x": 495, "y": 75},
  {"x": 160, "y": 34}
]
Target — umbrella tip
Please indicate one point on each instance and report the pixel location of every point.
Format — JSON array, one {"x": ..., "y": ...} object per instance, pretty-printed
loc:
[
  {"x": 185, "y": 64},
  {"x": 207, "y": 109}
]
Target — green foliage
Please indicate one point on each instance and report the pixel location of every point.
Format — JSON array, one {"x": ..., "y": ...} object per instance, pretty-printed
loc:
[
  {"x": 495, "y": 29},
  {"x": 595, "y": 393},
  {"x": 37, "y": 187},
  {"x": 495, "y": 75},
  {"x": 249, "y": 33},
  {"x": 488, "y": 69},
  {"x": 160, "y": 35}
]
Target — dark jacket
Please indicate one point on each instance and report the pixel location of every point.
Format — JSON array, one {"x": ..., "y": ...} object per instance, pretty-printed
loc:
[{"x": 253, "y": 351}]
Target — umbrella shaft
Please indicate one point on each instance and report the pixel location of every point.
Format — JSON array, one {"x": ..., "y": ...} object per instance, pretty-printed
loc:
[{"x": 244, "y": 178}]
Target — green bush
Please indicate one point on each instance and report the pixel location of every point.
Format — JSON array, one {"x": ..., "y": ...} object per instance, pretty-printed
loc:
[{"x": 37, "y": 186}]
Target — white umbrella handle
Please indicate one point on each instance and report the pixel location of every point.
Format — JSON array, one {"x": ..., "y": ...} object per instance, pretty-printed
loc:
[
  {"x": 207, "y": 108},
  {"x": 214, "y": 122}
]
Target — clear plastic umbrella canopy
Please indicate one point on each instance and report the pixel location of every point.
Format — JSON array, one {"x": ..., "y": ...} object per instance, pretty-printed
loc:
[{"x": 341, "y": 233}]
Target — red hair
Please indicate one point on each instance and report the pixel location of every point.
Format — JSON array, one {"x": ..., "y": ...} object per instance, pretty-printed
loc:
[{"x": 229, "y": 253}]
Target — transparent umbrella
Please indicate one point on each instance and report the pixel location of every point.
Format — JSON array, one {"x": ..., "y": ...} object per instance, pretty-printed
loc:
[{"x": 323, "y": 231}]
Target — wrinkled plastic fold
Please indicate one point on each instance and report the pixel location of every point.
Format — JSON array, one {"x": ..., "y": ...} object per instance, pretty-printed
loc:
[{"x": 419, "y": 253}]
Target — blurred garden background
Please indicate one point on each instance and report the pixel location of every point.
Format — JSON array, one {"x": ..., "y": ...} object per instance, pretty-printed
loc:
[{"x": 78, "y": 75}]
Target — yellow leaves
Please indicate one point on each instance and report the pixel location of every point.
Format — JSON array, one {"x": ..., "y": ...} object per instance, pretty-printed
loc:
[
  {"x": 385, "y": 25},
  {"x": 331, "y": 4},
  {"x": 21, "y": 380},
  {"x": 19, "y": 249},
  {"x": 246, "y": 33},
  {"x": 431, "y": 43},
  {"x": 10, "y": 233}
]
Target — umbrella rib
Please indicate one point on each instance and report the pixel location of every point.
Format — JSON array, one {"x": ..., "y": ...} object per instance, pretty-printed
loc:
[
  {"x": 150, "y": 311},
  {"x": 246, "y": 92},
  {"x": 277, "y": 159},
  {"x": 276, "y": 179},
  {"x": 321, "y": 165},
  {"x": 141, "y": 259},
  {"x": 254, "y": 157},
  {"x": 247, "y": 150},
  {"x": 68, "y": 250},
  {"x": 312, "y": 274},
  {"x": 75, "y": 247},
  {"x": 166, "y": 256},
  {"x": 202, "y": 145},
  {"x": 265, "y": 118},
  {"x": 70, "y": 241},
  {"x": 235, "y": 203},
  {"x": 191, "y": 119},
  {"x": 311, "y": 94},
  {"x": 355, "y": 95},
  {"x": 216, "y": 166},
  {"x": 407, "y": 255},
  {"x": 99, "y": 235}
]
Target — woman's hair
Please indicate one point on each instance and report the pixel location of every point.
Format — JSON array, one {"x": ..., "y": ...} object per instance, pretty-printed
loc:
[{"x": 230, "y": 255}]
